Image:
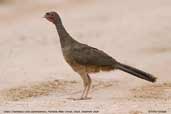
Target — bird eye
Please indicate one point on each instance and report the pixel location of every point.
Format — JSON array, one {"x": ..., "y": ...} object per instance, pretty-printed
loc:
[{"x": 47, "y": 13}]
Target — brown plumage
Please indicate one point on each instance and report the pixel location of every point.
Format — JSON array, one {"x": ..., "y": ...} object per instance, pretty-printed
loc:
[{"x": 85, "y": 59}]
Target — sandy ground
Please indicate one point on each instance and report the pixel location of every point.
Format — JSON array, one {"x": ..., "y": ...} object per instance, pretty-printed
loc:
[{"x": 35, "y": 77}]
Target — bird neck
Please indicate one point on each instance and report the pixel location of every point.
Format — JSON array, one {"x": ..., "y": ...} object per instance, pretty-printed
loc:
[{"x": 65, "y": 38}]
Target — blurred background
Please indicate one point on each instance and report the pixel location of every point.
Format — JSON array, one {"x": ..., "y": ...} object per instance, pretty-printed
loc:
[{"x": 135, "y": 32}]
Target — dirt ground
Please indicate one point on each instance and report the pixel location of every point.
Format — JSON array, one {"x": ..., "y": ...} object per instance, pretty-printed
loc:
[{"x": 35, "y": 77}]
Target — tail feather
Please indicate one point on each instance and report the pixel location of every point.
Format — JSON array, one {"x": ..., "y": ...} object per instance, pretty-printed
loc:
[{"x": 136, "y": 72}]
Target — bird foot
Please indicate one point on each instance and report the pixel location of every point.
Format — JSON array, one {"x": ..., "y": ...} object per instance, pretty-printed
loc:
[{"x": 81, "y": 98}]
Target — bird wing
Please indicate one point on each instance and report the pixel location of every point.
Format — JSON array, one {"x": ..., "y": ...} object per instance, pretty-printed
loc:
[{"x": 87, "y": 55}]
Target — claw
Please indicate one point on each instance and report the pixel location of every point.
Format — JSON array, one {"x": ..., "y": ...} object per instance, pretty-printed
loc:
[{"x": 81, "y": 98}]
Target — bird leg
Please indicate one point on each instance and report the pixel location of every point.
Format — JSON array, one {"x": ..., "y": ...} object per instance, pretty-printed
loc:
[
  {"x": 83, "y": 93},
  {"x": 87, "y": 84}
]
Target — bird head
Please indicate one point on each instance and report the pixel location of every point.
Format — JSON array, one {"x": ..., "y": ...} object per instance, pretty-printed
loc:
[{"x": 52, "y": 17}]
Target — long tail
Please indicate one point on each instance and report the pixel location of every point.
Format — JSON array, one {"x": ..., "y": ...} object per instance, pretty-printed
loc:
[{"x": 138, "y": 73}]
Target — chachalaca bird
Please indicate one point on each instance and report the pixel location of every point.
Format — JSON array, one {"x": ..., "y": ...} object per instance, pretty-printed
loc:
[{"x": 85, "y": 59}]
